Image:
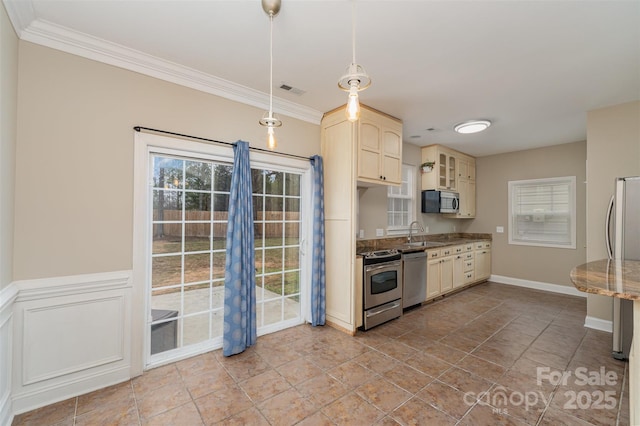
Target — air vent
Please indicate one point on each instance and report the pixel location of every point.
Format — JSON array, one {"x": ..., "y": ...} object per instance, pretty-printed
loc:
[{"x": 292, "y": 89}]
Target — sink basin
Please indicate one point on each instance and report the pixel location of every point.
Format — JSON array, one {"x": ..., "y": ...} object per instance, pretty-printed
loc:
[{"x": 424, "y": 244}]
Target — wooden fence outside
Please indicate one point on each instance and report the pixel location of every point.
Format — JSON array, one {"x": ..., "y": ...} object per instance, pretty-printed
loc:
[{"x": 268, "y": 230}]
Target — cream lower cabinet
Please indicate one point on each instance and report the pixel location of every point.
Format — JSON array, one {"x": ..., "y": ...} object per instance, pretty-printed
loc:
[
  {"x": 463, "y": 269},
  {"x": 455, "y": 267},
  {"x": 482, "y": 260},
  {"x": 433, "y": 274},
  {"x": 439, "y": 272}
]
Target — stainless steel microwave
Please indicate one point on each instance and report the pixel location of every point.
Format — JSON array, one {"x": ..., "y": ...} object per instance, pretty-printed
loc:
[{"x": 440, "y": 201}]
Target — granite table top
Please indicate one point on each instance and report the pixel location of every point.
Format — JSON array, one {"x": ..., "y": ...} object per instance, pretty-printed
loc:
[{"x": 608, "y": 277}]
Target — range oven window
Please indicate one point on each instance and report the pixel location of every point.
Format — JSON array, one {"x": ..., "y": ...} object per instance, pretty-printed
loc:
[{"x": 384, "y": 281}]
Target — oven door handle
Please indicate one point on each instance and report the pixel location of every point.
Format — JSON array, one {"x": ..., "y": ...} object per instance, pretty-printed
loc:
[
  {"x": 386, "y": 265},
  {"x": 385, "y": 308}
]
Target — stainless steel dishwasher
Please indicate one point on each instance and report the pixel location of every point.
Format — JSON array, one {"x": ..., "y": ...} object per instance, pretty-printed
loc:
[{"x": 414, "y": 278}]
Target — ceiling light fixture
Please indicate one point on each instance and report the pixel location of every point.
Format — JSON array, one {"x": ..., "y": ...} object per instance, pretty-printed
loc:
[
  {"x": 356, "y": 78},
  {"x": 271, "y": 8},
  {"x": 472, "y": 126}
]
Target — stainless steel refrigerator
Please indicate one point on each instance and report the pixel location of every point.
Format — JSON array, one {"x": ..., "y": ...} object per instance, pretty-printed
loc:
[{"x": 623, "y": 242}]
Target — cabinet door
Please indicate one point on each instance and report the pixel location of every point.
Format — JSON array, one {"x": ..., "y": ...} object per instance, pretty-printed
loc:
[
  {"x": 433, "y": 278},
  {"x": 472, "y": 170},
  {"x": 463, "y": 168},
  {"x": 446, "y": 274},
  {"x": 452, "y": 172},
  {"x": 483, "y": 264},
  {"x": 458, "y": 271},
  {"x": 443, "y": 166},
  {"x": 391, "y": 156},
  {"x": 471, "y": 198},
  {"x": 369, "y": 152},
  {"x": 463, "y": 192}
]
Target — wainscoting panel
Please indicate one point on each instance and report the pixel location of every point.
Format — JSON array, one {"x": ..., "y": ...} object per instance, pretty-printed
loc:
[
  {"x": 72, "y": 335},
  {"x": 100, "y": 334}
]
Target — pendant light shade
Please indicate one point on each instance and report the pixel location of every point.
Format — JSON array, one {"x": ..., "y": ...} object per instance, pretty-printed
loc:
[
  {"x": 355, "y": 78},
  {"x": 269, "y": 120}
]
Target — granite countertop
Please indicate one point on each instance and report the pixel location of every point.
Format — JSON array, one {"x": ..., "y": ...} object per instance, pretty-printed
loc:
[
  {"x": 617, "y": 278},
  {"x": 441, "y": 240}
]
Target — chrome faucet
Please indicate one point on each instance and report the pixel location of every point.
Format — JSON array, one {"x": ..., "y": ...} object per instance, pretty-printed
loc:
[{"x": 410, "y": 237}]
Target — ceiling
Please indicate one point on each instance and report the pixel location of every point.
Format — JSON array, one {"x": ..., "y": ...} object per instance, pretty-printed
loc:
[{"x": 534, "y": 68}]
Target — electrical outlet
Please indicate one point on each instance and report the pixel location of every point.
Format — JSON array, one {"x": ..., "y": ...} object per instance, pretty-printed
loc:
[
  {"x": 499, "y": 229},
  {"x": 362, "y": 233},
  {"x": 426, "y": 229},
  {"x": 379, "y": 232}
]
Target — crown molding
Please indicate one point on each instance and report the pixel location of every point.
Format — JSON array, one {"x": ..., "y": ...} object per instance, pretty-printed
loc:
[
  {"x": 31, "y": 29},
  {"x": 21, "y": 14}
]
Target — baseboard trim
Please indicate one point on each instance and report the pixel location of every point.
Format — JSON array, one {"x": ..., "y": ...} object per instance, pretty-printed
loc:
[
  {"x": 6, "y": 410},
  {"x": 38, "y": 398},
  {"x": 537, "y": 285},
  {"x": 598, "y": 324}
]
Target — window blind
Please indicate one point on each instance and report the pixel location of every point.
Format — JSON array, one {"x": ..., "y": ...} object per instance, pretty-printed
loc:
[{"x": 542, "y": 212}]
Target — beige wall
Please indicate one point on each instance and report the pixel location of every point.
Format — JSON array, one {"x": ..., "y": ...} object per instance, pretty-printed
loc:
[
  {"x": 543, "y": 264},
  {"x": 74, "y": 170},
  {"x": 613, "y": 150},
  {"x": 372, "y": 207},
  {"x": 8, "y": 122}
]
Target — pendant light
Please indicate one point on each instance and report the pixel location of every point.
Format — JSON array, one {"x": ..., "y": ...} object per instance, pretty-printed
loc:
[
  {"x": 271, "y": 8},
  {"x": 355, "y": 78}
]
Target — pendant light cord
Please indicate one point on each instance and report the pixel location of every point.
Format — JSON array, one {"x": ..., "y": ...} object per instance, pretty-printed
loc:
[
  {"x": 353, "y": 30},
  {"x": 271, "y": 65}
]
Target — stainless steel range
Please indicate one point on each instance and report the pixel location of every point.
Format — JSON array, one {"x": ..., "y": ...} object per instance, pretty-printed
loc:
[{"x": 382, "y": 286}]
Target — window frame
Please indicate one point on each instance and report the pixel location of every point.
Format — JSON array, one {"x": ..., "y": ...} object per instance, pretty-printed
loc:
[
  {"x": 572, "y": 213},
  {"x": 412, "y": 174}
]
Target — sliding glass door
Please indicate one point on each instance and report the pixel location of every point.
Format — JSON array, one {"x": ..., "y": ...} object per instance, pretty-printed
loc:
[
  {"x": 276, "y": 211},
  {"x": 188, "y": 220}
]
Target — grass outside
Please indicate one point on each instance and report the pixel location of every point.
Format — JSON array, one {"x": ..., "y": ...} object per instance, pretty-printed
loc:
[{"x": 270, "y": 257}]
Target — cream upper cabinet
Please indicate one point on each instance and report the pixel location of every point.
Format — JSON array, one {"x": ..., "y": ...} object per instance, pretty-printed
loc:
[
  {"x": 466, "y": 187},
  {"x": 379, "y": 148},
  {"x": 445, "y": 170},
  {"x": 452, "y": 171},
  {"x": 372, "y": 144}
]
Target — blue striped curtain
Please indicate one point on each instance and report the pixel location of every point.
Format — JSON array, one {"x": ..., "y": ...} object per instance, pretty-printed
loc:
[
  {"x": 240, "y": 330},
  {"x": 318, "y": 286}
]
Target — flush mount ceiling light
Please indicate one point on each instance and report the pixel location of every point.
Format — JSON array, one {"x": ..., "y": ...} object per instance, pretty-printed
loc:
[
  {"x": 355, "y": 78},
  {"x": 271, "y": 8},
  {"x": 472, "y": 126}
]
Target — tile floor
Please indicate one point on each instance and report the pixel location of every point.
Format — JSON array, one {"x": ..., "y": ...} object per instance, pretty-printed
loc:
[{"x": 492, "y": 354}]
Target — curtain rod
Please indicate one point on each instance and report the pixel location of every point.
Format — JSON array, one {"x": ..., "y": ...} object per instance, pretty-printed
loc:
[{"x": 140, "y": 128}]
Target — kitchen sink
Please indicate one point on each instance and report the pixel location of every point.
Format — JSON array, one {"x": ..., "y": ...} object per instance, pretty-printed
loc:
[{"x": 425, "y": 244}]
